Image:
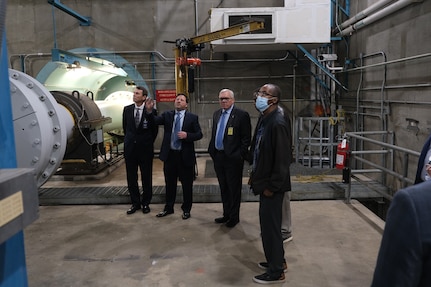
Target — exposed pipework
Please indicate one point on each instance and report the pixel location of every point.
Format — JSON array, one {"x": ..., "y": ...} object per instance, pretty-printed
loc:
[
  {"x": 377, "y": 16},
  {"x": 361, "y": 15},
  {"x": 317, "y": 63}
]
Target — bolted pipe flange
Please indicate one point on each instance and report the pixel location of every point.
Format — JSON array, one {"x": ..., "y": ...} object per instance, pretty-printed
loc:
[{"x": 37, "y": 126}]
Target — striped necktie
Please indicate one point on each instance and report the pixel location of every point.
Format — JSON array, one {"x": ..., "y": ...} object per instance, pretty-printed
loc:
[{"x": 137, "y": 118}]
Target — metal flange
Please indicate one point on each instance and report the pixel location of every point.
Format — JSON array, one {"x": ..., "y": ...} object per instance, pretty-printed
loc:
[{"x": 40, "y": 130}]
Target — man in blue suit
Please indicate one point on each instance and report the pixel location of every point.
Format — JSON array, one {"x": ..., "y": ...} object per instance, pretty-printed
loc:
[
  {"x": 228, "y": 147},
  {"x": 181, "y": 130},
  {"x": 404, "y": 258}
]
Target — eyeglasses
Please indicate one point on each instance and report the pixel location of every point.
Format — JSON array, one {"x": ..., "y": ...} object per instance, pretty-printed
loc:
[
  {"x": 262, "y": 93},
  {"x": 224, "y": 99}
]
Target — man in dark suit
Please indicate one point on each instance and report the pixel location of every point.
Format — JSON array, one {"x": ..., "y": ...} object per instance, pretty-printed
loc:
[
  {"x": 424, "y": 169},
  {"x": 405, "y": 252},
  {"x": 140, "y": 131},
  {"x": 181, "y": 130},
  {"x": 228, "y": 147}
]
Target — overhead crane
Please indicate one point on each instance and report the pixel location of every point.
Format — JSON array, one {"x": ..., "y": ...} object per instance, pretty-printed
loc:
[{"x": 185, "y": 47}]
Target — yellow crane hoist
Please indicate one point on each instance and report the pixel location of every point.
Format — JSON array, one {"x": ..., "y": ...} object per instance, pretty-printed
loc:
[{"x": 185, "y": 47}]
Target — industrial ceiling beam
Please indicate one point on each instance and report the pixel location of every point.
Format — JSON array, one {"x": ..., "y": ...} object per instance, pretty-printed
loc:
[
  {"x": 85, "y": 21},
  {"x": 323, "y": 68}
]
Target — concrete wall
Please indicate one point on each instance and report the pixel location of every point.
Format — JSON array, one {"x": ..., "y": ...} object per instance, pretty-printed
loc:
[{"x": 398, "y": 90}]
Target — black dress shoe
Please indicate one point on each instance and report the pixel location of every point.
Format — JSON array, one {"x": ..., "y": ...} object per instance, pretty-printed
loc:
[
  {"x": 186, "y": 215},
  {"x": 146, "y": 209},
  {"x": 164, "y": 213},
  {"x": 132, "y": 209},
  {"x": 221, "y": 219},
  {"x": 231, "y": 223}
]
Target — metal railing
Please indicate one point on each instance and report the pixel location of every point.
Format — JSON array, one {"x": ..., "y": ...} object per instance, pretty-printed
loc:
[
  {"x": 314, "y": 141},
  {"x": 385, "y": 154}
]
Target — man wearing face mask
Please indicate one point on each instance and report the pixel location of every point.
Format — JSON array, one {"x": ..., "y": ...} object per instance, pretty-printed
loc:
[{"x": 270, "y": 158}]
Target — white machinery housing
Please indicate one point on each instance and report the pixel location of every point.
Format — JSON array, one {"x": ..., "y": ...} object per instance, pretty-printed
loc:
[{"x": 299, "y": 22}]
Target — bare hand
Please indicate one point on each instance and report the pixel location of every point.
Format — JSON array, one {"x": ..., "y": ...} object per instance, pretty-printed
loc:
[
  {"x": 182, "y": 135},
  {"x": 149, "y": 105},
  {"x": 268, "y": 193}
]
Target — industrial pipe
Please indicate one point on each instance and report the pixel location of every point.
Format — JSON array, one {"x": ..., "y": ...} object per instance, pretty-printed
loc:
[
  {"x": 361, "y": 15},
  {"x": 377, "y": 16}
]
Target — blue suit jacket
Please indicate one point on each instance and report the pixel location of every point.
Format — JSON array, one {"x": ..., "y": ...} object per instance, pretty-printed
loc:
[
  {"x": 404, "y": 258},
  {"x": 190, "y": 125}
]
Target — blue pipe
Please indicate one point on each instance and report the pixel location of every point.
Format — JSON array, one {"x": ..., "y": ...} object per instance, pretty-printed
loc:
[
  {"x": 85, "y": 21},
  {"x": 316, "y": 77},
  {"x": 13, "y": 271},
  {"x": 346, "y": 9},
  {"x": 7, "y": 140},
  {"x": 326, "y": 71}
]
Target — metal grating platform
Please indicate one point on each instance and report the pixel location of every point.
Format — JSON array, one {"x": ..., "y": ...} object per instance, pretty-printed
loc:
[
  {"x": 201, "y": 193},
  {"x": 120, "y": 195}
]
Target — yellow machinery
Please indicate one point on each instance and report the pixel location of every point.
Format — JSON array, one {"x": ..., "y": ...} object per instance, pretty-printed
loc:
[{"x": 184, "y": 48}]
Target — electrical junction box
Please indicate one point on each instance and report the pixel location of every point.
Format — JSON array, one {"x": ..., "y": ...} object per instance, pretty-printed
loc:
[
  {"x": 19, "y": 201},
  {"x": 96, "y": 136}
]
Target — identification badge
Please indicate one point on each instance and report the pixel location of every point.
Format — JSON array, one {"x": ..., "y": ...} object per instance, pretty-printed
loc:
[{"x": 230, "y": 131}]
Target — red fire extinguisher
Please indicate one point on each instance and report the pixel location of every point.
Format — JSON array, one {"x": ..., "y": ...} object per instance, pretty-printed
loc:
[{"x": 342, "y": 154}]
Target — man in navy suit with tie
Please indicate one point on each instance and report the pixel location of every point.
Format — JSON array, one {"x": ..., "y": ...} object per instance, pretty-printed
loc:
[
  {"x": 424, "y": 168},
  {"x": 228, "y": 147},
  {"x": 181, "y": 130},
  {"x": 404, "y": 258},
  {"x": 140, "y": 131}
]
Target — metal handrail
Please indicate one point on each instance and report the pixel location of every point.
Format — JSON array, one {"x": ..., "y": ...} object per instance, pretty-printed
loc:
[
  {"x": 385, "y": 169},
  {"x": 318, "y": 134}
]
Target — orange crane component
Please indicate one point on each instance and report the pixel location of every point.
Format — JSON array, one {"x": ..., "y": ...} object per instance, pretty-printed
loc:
[{"x": 184, "y": 48}]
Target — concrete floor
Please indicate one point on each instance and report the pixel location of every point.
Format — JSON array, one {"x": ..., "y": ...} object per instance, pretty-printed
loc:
[{"x": 335, "y": 244}]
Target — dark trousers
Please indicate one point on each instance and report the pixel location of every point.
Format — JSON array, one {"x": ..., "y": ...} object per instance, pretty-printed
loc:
[
  {"x": 270, "y": 214},
  {"x": 229, "y": 175},
  {"x": 145, "y": 164},
  {"x": 175, "y": 169}
]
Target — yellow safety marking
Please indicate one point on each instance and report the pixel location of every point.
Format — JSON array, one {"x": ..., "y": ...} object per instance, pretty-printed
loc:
[{"x": 11, "y": 207}]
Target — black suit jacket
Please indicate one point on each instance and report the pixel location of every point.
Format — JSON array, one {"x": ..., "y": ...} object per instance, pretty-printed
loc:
[
  {"x": 143, "y": 138},
  {"x": 404, "y": 258},
  {"x": 237, "y": 134},
  {"x": 275, "y": 153},
  {"x": 190, "y": 125}
]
